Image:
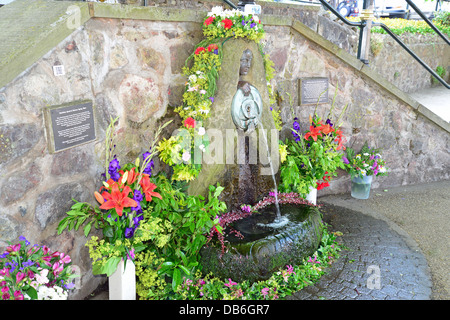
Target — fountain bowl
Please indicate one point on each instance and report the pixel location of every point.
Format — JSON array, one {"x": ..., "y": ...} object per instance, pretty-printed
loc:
[{"x": 265, "y": 247}]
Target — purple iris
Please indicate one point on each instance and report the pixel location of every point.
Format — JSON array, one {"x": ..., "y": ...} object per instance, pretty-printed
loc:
[
  {"x": 329, "y": 122},
  {"x": 252, "y": 25}
]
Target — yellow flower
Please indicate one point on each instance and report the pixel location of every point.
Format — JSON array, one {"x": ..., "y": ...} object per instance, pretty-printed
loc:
[{"x": 283, "y": 152}]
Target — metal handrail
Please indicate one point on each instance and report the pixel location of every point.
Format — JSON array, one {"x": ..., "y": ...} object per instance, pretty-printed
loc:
[{"x": 361, "y": 26}]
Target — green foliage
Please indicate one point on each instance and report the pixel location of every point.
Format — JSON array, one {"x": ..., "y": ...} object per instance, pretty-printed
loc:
[
  {"x": 181, "y": 222},
  {"x": 440, "y": 70},
  {"x": 442, "y": 18}
]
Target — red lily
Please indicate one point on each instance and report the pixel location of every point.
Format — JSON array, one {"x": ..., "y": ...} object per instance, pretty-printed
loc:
[
  {"x": 148, "y": 187},
  {"x": 118, "y": 199},
  {"x": 314, "y": 132}
]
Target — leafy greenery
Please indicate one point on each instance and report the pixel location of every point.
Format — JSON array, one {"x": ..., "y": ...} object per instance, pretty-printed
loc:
[
  {"x": 182, "y": 223},
  {"x": 401, "y": 26}
]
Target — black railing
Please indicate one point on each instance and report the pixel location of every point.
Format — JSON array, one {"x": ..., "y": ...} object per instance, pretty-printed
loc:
[{"x": 362, "y": 25}]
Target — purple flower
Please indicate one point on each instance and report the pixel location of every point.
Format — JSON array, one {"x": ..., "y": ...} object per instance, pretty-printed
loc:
[
  {"x": 296, "y": 127},
  {"x": 216, "y": 51},
  {"x": 129, "y": 232},
  {"x": 252, "y": 25},
  {"x": 212, "y": 98},
  {"x": 243, "y": 23},
  {"x": 150, "y": 165},
  {"x": 113, "y": 168},
  {"x": 345, "y": 160},
  {"x": 138, "y": 196}
]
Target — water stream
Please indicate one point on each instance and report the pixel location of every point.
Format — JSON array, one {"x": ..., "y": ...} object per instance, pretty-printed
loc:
[{"x": 279, "y": 220}]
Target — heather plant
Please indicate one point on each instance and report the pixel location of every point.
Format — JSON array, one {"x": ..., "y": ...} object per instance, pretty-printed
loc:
[{"x": 286, "y": 281}]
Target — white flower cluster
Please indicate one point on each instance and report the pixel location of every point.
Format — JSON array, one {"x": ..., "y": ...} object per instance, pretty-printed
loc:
[
  {"x": 228, "y": 13},
  {"x": 54, "y": 293}
]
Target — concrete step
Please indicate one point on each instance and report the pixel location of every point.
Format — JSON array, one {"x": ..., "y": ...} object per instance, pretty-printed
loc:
[{"x": 436, "y": 99}]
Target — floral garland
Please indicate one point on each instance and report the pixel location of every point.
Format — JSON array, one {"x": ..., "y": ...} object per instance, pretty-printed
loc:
[{"x": 183, "y": 151}]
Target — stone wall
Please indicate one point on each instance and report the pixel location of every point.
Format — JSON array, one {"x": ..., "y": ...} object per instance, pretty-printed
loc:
[{"x": 131, "y": 68}]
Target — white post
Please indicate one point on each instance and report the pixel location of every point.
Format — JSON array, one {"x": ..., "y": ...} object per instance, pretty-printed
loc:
[{"x": 122, "y": 283}]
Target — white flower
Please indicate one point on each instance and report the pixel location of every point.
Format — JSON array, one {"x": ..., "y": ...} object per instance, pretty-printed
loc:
[
  {"x": 201, "y": 131},
  {"x": 202, "y": 91},
  {"x": 215, "y": 11},
  {"x": 193, "y": 78},
  {"x": 365, "y": 153},
  {"x": 382, "y": 169},
  {"x": 186, "y": 156},
  {"x": 363, "y": 172},
  {"x": 204, "y": 110},
  {"x": 202, "y": 147}
]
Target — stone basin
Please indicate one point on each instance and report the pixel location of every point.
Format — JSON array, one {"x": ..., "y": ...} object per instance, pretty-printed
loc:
[{"x": 263, "y": 250}]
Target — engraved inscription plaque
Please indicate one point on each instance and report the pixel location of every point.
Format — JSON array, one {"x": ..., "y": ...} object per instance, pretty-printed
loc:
[
  {"x": 313, "y": 90},
  {"x": 70, "y": 125}
]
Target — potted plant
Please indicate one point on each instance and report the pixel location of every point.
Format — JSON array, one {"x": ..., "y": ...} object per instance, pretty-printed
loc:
[
  {"x": 34, "y": 273},
  {"x": 362, "y": 167},
  {"x": 311, "y": 158}
]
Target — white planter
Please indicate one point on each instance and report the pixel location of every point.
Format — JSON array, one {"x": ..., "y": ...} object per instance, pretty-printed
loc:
[
  {"x": 122, "y": 283},
  {"x": 312, "y": 195}
]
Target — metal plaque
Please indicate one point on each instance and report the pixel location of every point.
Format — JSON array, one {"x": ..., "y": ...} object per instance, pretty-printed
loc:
[
  {"x": 313, "y": 90},
  {"x": 71, "y": 125}
]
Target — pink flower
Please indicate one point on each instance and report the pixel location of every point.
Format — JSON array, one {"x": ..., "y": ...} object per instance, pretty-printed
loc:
[
  {"x": 18, "y": 295},
  {"x": 265, "y": 292},
  {"x": 57, "y": 268},
  {"x": 64, "y": 258},
  {"x": 45, "y": 249},
  {"x": 230, "y": 283},
  {"x": 19, "y": 276},
  {"x": 4, "y": 272},
  {"x": 13, "y": 248},
  {"x": 6, "y": 296},
  {"x": 5, "y": 289}
]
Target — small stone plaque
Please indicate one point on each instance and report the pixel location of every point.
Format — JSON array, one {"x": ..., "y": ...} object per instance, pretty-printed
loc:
[
  {"x": 313, "y": 90},
  {"x": 70, "y": 125}
]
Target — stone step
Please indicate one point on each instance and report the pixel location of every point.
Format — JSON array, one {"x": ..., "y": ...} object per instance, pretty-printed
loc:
[{"x": 436, "y": 99}]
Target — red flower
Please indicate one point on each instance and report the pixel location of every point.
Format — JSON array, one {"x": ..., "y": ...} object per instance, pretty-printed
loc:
[
  {"x": 118, "y": 199},
  {"x": 227, "y": 23},
  {"x": 189, "y": 123},
  {"x": 209, "y": 21},
  {"x": 199, "y": 49},
  {"x": 148, "y": 187},
  {"x": 314, "y": 133},
  {"x": 212, "y": 47},
  {"x": 320, "y": 186}
]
